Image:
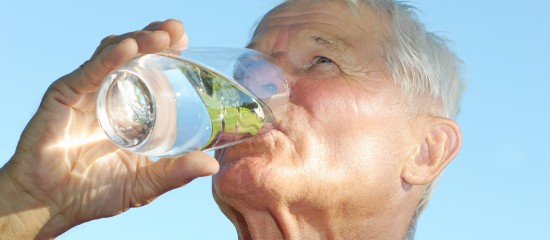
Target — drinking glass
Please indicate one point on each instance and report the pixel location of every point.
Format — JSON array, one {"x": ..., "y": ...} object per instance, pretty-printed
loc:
[{"x": 172, "y": 103}]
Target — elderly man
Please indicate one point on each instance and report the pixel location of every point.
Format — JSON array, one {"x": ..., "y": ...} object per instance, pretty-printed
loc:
[{"x": 369, "y": 129}]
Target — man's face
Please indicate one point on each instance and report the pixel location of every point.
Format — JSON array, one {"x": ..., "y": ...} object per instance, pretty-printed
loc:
[{"x": 345, "y": 136}]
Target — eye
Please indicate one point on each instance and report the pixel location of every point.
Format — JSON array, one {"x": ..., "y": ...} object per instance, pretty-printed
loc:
[
  {"x": 270, "y": 88},
  {"x": 322, "y": 60},
  {"x": 322, "y": 66}
]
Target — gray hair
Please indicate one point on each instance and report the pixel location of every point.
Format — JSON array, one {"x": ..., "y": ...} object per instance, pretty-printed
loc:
[{"x": 420, "y": 62}]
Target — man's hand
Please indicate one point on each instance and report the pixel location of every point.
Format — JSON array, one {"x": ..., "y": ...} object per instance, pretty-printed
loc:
[{"x": 65, "y": 172}]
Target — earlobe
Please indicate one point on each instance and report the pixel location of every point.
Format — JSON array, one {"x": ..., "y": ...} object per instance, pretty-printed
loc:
[{"x": 438, "y": 145}]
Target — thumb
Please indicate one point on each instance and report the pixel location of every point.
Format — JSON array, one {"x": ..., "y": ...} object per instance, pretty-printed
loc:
[
  {"x": 184, "y": 169},
  {"x": 169, "y": 173}
]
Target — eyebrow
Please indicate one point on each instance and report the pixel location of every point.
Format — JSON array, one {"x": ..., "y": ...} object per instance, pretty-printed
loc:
[
  {"x": 331, "y": 44},
  {"x": 334, "y": 45}
]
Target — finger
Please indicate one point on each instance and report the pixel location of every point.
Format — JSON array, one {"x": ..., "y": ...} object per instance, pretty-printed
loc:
[
  {"x": 176, "y": 31},
  {"x": 181, "y": 44},
  {"x": 148, "y": 41},
  {"x": 173, "y": 27},
  {"x": 97, "y": 68},
  {"x": 152, "y": 26},
  {"x": 105, "y": 42},
  {"x": 89, "y": 76},
  {"x": 167, "y": 174},
  {"x": 182, "y": 170},
  {"x": 152, "y": 42},
  {"x": 115, "y": 51}
]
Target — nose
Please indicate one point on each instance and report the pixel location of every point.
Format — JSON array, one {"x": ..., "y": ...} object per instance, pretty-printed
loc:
[
  {"x": 261, "y": 75},
  {"x": 265, "y": 79},
  {"x": 289, "y": 65}
]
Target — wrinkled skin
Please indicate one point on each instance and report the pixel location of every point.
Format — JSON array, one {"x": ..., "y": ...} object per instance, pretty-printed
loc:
[
  {"x": 347, "y": 161},
  {"x": 65, "y": 172},
  {"x": 334, "y": 166}
]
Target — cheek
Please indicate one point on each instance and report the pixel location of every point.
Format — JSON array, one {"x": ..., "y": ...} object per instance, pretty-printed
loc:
[
  {"x": 369, "y": 161},
  {"x": 326, "y": 101}
]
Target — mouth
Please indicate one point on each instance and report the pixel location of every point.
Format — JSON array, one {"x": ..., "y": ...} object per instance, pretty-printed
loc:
[{"x": 263, "y": 145}]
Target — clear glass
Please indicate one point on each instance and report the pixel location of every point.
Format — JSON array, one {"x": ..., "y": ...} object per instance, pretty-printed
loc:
[{"x": 169, "y": 104}]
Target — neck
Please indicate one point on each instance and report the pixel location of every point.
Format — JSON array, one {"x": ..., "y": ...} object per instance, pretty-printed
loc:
[{"x": 301, "y": 222}]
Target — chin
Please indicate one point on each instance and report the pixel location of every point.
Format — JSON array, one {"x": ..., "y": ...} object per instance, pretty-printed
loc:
[{"x": 251, "y": 168}]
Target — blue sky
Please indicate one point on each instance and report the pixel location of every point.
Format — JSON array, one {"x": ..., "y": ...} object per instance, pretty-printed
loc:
[{"x": 495, "y": 189}]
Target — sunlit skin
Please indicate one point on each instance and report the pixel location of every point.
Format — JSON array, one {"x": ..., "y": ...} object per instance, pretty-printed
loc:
[
  {"x": 65, "y": 172},
  {"x": 335, "y": 167},
  {"x": 347, "y": 161}
]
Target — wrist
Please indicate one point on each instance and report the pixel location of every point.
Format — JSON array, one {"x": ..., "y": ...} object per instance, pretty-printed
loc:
[{"x": 21, "y": 215}]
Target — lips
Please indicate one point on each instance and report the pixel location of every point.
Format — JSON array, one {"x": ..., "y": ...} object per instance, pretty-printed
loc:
[{"x": 262, "y": 145}]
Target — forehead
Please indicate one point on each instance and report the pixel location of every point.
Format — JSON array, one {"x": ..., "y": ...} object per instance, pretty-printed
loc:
[{"x": 338, "y": 21}]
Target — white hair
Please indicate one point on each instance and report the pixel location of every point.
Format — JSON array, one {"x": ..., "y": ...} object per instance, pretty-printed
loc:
[{"x": 421, "y": 63}]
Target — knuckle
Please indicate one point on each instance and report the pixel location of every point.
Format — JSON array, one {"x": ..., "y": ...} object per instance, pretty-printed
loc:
[
  {"x": 107, "y": 39},
  {"x": 152, "y": 26},
  {"x": 85, "y": 72},
  {"x": 140, "y": 34}
]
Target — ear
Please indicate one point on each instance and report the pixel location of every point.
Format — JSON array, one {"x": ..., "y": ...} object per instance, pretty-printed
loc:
[{"x": 438, "y": 143}]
